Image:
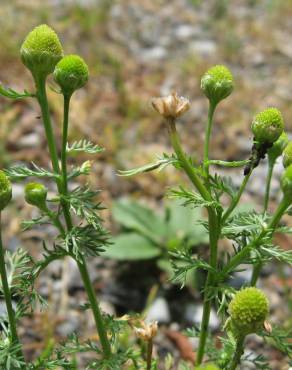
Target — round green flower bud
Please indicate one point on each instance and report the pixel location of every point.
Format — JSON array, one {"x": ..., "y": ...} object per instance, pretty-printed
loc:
[
  {"x": 5, "y": 190},
  {"x": 278, "y": 147},
  {"x": 217, "y": 83},
  {"x": 267, "y": 126},
  {"x": 36, "y": 194},
  {"x": 71, "y": 73},
  {"x": 41, "y": 51},
  {"x": 286, "y": 182},
  {"x": 287, "y": 155},
  {"x": 248, "y": 311}
]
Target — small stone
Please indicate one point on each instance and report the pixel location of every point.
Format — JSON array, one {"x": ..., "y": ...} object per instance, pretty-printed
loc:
[
  {"x": 194, "y": 312},
  {"x": 159, "y": 311}
]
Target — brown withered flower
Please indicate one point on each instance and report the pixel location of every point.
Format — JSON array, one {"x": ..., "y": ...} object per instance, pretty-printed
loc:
[
  {"x": 171, "y": 106},
  {"x": 146, "y": 331}
]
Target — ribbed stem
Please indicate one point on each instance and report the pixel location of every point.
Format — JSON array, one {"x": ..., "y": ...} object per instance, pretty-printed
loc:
[
  {"x": 213, "y": 233},
  {"x": 268, "y": 184},
  {"x": 7, "y": 297},
  {"x": 211, "y": 111}
]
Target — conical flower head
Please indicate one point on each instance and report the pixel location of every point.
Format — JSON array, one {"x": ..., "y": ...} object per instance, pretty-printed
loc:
[
  {"x": 217, "y": 83},
  {"x": 248, "y": 311},
  {"x": 267, "y": 126},
  {"x": 71, "y": 73},
  {"x": 5, "y": 190},
  {"x": 41, "y": 51}
]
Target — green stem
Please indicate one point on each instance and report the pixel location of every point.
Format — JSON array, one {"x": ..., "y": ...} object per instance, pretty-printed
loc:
[
  {"x": 256, "y": 273},
  {"x": 236, "y": 199},
  {"x": 211, "y": 111},
  {"x": 95, "y": 308},
  {"x": 213, "y": 235},
  {"x": 189, "y": 170},
  {"x": 240, "y": 256},
  {"x": 268, "y": 184},
  {"x": 231, "y": 164},
  {"x": 7, "y": 297},
  {"x": 237, "y": 354},
  {"x": 62, "y": 188},
  {"x": 149, "y": 353}
]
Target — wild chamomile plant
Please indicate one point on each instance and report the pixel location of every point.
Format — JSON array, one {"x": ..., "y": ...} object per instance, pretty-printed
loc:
[
  {"x": 74, "y": 213},
  {"x": 251, "y": 232}
]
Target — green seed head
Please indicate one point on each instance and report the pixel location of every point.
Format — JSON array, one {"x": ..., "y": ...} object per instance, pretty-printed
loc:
[
  {"x": 71, "y": 73},
  {"x": 287, "y": 155},
  {"x": 5, "y": 190},
  {"x": 41, "y": 51},
  {"x": 36, "y": 194},
  {"x": 248, "y": 311},
  {"x": 217, "y": 83},
  {"x": 286, "y": 183},
  {"x": 278, "y": 147},
  {"x": 267, "y": 126}
]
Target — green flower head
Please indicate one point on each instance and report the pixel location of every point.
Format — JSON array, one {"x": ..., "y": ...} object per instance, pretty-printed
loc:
[
  {"x": 41, "y": 51},
  {"x": 267, "y": 126},
  {"x": 71, "y": 73},
  {"x": 278, "y": 147},
  {"x": 248, "y": 311},
  {"x": 217, "y": 83},
  {"x": 286, "y": 183},
  {"x": 36, "y": 194},
  {"x": 287, "y": 155},
  {"x": 5, "y": 190}
]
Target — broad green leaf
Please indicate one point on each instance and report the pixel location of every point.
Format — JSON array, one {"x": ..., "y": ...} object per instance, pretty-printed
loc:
[
  {"x": 131, "y": 246},
  {"x": 182, "y": 224},
  {"x": 137, "y": 217}
]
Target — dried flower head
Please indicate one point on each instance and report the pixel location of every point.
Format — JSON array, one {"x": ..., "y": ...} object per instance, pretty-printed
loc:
[
  {"x": 71, "y": 73},
  {"x": 41, "y": 51},
  {"x": 286, "y": 182},
  {"x": 287, "y": 155},
  {"x": 36, "y": 194},
  {"x": 278, "y": 147},
  {"x": 146, "y": 331},
  {"x": 5, "y": 190},
  {"x": 248, "y": 311},
  {"x": 267, "y": 126},
  {"x": 217, "y": 83},
  {"x": 171, "y": 106}
]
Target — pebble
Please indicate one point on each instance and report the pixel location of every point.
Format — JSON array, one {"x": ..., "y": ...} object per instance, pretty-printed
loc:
[
  {"x": 159, "y": 311},
  {"x": 193, "y": 315}
]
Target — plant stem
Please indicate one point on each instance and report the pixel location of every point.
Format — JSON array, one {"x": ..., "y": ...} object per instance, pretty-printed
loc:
[
  {"x": 95, "y": 308},
  {"x": 240, "y": 256},
  {"x": 7, "y": 297},
  {"x": 268, "y": 184},
  {"x": 213, "y": 234},
  {"x": 189, "y": 170},
  {"x": 256, "y": 273},
  {"x": 149, "y": 353},
  {"x": 235, "y": 200},
  {"x": 64, "y": 160},
  {"x": 237, "y": 354},
  {"x": 62, "y": 188},
  {"x": 211, "y": 111},
  {"x": 231, "y": 164}
]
